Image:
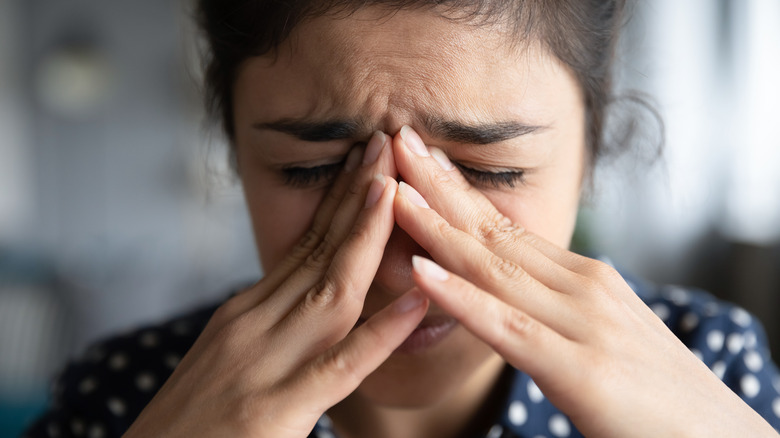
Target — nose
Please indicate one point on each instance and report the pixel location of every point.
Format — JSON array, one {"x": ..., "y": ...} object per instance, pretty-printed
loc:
[{"x": 394, "y": 275}]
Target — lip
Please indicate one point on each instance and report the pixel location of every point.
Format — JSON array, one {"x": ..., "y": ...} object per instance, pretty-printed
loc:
[{"x": 431, "y": 330}]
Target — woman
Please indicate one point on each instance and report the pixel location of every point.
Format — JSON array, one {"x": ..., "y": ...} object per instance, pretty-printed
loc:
[{"x": 413, "y": 172}]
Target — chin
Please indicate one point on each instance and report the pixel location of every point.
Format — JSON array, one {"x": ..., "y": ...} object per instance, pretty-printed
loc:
[{"x": 426, "y": 378}]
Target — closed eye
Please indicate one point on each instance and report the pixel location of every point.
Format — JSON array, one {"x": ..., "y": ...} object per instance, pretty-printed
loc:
[
  {"x": 305, "y": 177},
  {"x": 496, "y": 180}
]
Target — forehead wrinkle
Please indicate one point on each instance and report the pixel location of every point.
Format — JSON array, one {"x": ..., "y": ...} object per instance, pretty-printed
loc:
[{"x": 381, "y": 79}]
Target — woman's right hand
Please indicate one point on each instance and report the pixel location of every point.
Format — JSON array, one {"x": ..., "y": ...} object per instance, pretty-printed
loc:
[{"x": 273, "y": 358}]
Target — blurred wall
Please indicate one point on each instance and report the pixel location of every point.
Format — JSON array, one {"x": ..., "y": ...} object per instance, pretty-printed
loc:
[
  {"x": 707, "y": 214},
  {"x": 116, "y": 206}
]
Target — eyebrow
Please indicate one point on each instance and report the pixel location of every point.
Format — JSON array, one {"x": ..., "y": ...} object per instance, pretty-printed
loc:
[
  {"x": 481, "y": 134},
  {"x": 315, "y": 131},
  {"x": 448, "y": 130}
]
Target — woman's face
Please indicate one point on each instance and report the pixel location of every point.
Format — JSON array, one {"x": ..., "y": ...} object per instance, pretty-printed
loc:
[{"x": 379, "y": 72}]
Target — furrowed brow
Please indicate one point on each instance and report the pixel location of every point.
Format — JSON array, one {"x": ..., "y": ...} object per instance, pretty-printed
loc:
[
  {"x": 314, "y": 131},
  {"x": 481, "y": 134}
]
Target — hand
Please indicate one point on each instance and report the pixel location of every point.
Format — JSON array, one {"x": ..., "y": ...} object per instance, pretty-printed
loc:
[
  {"x": 275, "y": 357},
  {"x": 571, "y": 323}
]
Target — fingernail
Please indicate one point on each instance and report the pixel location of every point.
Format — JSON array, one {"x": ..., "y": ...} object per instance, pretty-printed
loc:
[
  {"x": 429, "y": 269},
  {"x": 353, "y": 158},
  {"x": 374, "y": 147},
  {"x": 375, "y": 190},
  {"x": 410, "y": 301},
  {"x": 442, "y": 159},
  {"x": 413, "y": 195},
  {"x": 413, "y": 141}
]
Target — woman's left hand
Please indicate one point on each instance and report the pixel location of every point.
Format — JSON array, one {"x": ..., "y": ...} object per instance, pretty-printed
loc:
[{"x": 571, "y": 323}]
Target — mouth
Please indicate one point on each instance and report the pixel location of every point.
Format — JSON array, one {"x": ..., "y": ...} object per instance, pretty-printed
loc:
[{"x": 431, "y": 330}]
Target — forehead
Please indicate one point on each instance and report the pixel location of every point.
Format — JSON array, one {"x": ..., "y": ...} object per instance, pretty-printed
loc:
[{"x": 389, "y": 69}]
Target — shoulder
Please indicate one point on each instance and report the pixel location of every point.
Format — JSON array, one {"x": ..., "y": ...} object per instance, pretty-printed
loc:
[
  {"x": 102, "y": 392},
  {"x": 727, "y": 338}
]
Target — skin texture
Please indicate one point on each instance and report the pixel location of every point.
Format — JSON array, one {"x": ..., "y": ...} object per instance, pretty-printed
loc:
[
  {"x": 355, "y": 70},
  {"x": 338, "y": 252}
]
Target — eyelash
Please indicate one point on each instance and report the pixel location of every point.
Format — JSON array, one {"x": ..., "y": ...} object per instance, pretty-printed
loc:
[{"x": 304, "y": 177}]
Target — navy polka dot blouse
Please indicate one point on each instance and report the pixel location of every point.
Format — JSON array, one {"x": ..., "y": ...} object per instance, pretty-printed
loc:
[{"x": 100, "y": 394}]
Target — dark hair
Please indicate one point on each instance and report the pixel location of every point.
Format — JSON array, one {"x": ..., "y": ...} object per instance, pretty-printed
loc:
[{"x": 580, "y": 33}]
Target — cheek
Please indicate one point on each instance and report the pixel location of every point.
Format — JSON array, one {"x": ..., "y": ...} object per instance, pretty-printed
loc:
[
  {"x": 279, "y": 219},
  {"x": 548, "y": 214}
]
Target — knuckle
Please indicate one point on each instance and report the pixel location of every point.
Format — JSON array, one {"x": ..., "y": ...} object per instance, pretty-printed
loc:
[
  {"x": 360, "y": 234},
  {"x": 322, "y": 295},
  {"x": 332, "y": 295},
  {"x": 310, "y": 239},
  {"x": 444, "y": 180},
  {"x": 516, "y": 324},
  {"x": 322, "y": 254},
  {"x": 505, "y": 269},
  {"x": 229, "y": 337},
  {"x": 341, "y": 364},
  {"x": 226, "y": 311},
  {"x": 495, "y": 229},
  {"x": 602, "y": 272}
]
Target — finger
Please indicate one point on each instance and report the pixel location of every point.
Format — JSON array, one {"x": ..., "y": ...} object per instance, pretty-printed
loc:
[
  {"x": 430, "y": 172},
  {"x": 330, "y": 308},
  {"x": 252, "y": 296},
  {"x": 437, "y": 236},
  {"x": 311, "y": 270},
  {"x": 339, "y": 371},
  {"x": 524, "y": 342},
  {"x": 461, "y": 253}
]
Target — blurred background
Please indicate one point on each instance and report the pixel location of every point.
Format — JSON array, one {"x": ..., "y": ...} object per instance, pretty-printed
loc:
[{"x": 117, "y": 207}]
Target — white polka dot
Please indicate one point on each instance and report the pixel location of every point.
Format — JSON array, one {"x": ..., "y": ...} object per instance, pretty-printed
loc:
[
  {"x": 117, "y": 406},
  {"x": 518, "y": 414},
  {"x": 750, "y": 385},
  {"x": 719, "y": 368},
  {"x": 534, "y": 393},
  {"x": 715, "y": 340},
  {"x": 559, "y": 425},
  {"x": 776, "y": 407},
  {"x": 697, "y": 353},
  {"x": 145, "y": 382},
  {"x": 776, "y": 383},
  {"x": 149, "y": 339},
  {"x": 495, "y": 431},
  {"x": 87, "y": 385},
  {"x": 735, "y": 342},
  {"x": 117, "y": 361},
  {"x": 172, "y": 360},
  {"x": 740, "y": 317},
  {"x": 325, "y": 434},
  {"x": 689, "y": 321},
  {"x": 96, "y": 431},
  {"x": 53, "y": 430},
  {"x": 679, "y": 296},
  {"x": 750, "y": 339},
  {"x": 753, "y": 361},
  {"x": 77, "y": 427},
  {"x": 661, "y": 310}
]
